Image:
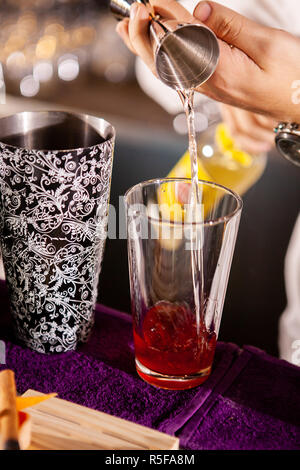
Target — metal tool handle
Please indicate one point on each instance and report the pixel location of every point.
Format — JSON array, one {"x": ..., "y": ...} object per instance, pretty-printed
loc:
[{"x": 121, "y": 8}]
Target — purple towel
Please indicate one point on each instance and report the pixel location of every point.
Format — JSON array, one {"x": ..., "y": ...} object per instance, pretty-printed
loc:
[
  {"x": 256, "y": 406},
  {"x": 247, "y": 403}
]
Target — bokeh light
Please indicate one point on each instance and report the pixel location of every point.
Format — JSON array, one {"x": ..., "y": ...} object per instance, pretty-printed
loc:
[
  {"x": 43, "y": 71},
  {"x": 29, "y": 87},
  {"x": 46, "y": 47},
  {"x": 68, "y": 67}
]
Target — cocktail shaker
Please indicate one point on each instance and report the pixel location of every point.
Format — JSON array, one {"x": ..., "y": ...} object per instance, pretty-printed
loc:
[
  {"x": 186, "y": 55},
  {"x": 55, "y": 174}
]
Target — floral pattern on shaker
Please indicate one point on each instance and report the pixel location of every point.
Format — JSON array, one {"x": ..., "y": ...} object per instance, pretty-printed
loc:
[{"x": 53, "y": 222}]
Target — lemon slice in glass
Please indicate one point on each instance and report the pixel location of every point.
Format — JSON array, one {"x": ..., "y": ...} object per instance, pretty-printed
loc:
[{"x": 228, "y": 147}]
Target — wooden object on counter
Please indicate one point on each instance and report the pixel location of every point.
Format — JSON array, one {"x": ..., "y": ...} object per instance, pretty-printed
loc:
[
  {"x": 27, "y": 402},
  {"x": 61, "y": 425},
  {"x": 9, "y": 418}
]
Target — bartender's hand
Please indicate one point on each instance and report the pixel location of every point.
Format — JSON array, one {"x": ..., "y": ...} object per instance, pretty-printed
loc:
[
  {"x": 258, "y": 65},
  {"x": 135, "y": 32},
  {"x": 251, "y": 132}
]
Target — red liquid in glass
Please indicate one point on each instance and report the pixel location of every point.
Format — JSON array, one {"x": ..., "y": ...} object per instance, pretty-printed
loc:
[{"x": 171, "y": 344}]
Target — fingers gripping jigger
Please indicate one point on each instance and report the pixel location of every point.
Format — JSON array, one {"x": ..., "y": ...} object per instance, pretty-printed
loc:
[{"x": 186, "y": 55}]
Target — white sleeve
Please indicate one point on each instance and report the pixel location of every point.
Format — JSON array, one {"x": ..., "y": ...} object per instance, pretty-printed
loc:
[
  {"x": 283, "y": 14},
  {"x": 289, "y": 325}
]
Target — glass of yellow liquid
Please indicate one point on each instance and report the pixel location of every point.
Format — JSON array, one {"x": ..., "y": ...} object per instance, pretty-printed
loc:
[{"x": 221, "y": 161}]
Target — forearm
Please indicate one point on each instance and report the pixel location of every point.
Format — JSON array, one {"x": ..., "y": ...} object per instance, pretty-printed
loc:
[{"x": 280, "y": 101}]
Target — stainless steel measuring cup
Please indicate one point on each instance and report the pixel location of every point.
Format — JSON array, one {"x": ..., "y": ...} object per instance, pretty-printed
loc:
[{"x": 186, "y": 55}]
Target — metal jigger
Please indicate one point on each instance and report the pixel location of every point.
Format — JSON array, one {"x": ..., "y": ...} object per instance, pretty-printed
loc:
[{"x": 186, "y": 55}]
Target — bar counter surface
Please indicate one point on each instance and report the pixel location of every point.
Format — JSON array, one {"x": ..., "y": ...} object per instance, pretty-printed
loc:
[{"x": 249, "y": 402}]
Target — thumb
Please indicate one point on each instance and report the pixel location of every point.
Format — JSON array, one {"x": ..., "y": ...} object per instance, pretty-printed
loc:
[{"x": 233, "y": 28}]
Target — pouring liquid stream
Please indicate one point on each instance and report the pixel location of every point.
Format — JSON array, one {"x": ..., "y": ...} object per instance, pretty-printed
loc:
[{"x": 195, "y": 213}]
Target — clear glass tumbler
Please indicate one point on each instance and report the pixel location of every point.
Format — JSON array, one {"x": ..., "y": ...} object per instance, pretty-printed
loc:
[{"x": 179, "y": 264}]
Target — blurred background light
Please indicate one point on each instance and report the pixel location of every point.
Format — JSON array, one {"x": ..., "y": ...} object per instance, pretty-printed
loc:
[
  {"x": 29, "y": 87},
  {"x": 49, "y": 43},
  {"x": 43, "y": 71},
  {"x": 15, "y": 64},
  {"x": 207, "y": 151},
  {"x": 46, "y": 47},
  {"x": 68, "y": 68},
  {"x": 2, "y": 87}
]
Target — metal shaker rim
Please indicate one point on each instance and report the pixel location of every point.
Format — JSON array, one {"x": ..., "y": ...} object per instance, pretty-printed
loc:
[
  {"x": 31, "y": 121},
  {"x": 188, "y": 77}
]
